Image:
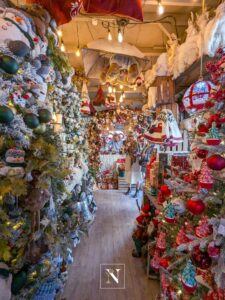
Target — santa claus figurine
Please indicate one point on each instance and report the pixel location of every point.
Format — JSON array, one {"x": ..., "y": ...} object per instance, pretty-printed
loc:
[{"x": 85, "y": 105}]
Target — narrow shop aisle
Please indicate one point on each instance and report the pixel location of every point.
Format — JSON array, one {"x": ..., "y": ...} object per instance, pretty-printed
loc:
[{"x": 109, "y": 241}]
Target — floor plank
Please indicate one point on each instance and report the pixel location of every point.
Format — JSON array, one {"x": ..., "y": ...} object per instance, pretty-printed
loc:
[{"x": 109, "y": 241}]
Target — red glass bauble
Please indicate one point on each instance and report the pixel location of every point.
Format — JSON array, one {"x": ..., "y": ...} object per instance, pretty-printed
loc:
[
  {"x": 196, "y": 207},
  {"x": 201, "y": 259},
  {"x": 203, "y": 128},
  {"x": 165, "y": 190},
  {"x": 216, "y": 162},
  {"x": 164, "y": 263},
  {"x": 202, "y": 153}
]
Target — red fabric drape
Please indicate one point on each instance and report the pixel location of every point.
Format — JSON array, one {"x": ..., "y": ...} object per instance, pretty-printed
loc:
[
  {"x": 61, "y": 10},
  {"x": 64, "y": 10},
  {"x": 122, "y": 8}
]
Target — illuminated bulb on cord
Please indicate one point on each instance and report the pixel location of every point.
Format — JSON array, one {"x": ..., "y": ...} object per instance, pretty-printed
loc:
[
  {"x": 121, "y": 86},
  {"x": 160, "y": 8},
  {"x": 78, "y": 52},
  {"x": 120, "y": 36},
  {"x": 109, "y": 35},
  {"x": 114, "y": 90},
  {"x": 62, "y": 48},
  {"x": 59, "y": 33},
  {"x": 110, "y": 90},
  {"x": 135, "y": 88}
]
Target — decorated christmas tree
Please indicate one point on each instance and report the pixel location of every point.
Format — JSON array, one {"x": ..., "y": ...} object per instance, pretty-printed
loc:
[
  {"x": 195, "y": 242},
  {"x": 39, "y": 200}
]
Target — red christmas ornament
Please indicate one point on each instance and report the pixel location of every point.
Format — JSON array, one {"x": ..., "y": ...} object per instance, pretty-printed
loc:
[
  {"x": 181, "y": 237},
  {"x": 201, "y": 259},
  {"x": 196, "y": 207},
  {"x": 204, "y": 229},
  {"x": 165, "y": 190},
  {"x": 213, "y": 251},
  {"x": 203, "y": 129},
  {"x": 155, "y": 261},
  {"x": 164, "y": 263},
  {"x": 201, "y": 153},
  {"x": 160, "y": 198},
  {"x": 216, "y": 162},
  {"x": 161, "y": 241}
]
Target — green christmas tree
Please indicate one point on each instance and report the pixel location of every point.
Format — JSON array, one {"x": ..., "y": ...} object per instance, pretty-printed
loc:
[{"x": 213, "y": 132}]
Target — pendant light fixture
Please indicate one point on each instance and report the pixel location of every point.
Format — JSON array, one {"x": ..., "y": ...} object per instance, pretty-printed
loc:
[
  {"x": 160, "y": 8},
  {"x": 109, "y": 35},
  {"x": 62, "y": 47},
  {"x": 59, "y": 32},
  {"x": 78, "y": 44},
  {"x": 120, "y": 36},
  {"x": 110, "y": 89}
]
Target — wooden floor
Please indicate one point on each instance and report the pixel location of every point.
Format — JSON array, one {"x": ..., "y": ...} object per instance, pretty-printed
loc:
[{"x": 109, "y": 241}]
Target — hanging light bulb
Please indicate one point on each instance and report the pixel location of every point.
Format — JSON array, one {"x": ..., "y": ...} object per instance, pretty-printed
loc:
[
  {"x": 110, "y": 89},
  {"x": 109, "y": 35},
  {"x": 135, "y": 88},
  {"x": 121, "y": 99},
  {"x": 120, "y": 36},
  {"x": 78, "y": 52},
  {"x": 121, "y": 86},
  {"x": 62, "y": 47},
  {"x": 59, "y": 32},
  {"x": 114, "y": 90},
  {"x": 160, "y": 9}
]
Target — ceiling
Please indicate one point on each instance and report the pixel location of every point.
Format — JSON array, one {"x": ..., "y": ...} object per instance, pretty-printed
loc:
[{"x": 149, "y": 38}]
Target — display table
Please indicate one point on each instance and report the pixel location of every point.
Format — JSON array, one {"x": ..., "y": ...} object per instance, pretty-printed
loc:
[{"x": 108, "y": 160}]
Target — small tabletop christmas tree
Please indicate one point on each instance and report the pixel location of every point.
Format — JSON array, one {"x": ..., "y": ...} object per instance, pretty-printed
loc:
[
  {"x": 213, "y": 137},
  {"x": 188, "y": 277},
  {"x": 170, "y": 213},
  {"x": 206, "y": 178}
]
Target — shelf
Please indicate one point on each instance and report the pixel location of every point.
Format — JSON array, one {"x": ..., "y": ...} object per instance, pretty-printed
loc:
[{"x": 152, "y": 199}]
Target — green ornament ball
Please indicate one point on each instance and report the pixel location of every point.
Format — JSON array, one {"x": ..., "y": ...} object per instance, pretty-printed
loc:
[
  {"x": 31, "y": 120},
  {"x": 45, "y": 115},
  {"x": 9, "y": 64},
  {"x": 6, "y": 115},
  {"x": 18, "y": 282},
  {"x": 40, "y": 129}
]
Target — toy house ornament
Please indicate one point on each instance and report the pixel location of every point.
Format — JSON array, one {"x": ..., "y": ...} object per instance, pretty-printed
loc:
[
  {"x": 197, "y": 95},
  {"x": 85, "y": 105},
  {"x": 164, "y": 129}
]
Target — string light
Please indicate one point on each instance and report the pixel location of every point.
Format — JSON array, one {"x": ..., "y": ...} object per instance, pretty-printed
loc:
[
  {"x": 121, "y": 86},
  {"x": 110, "y": 89},
  {"x": 109, "y": 35},
  {"x": 94, "y": 22},
  {"x": 59, "y": 33},
  {"x": 114, "y": 90},
  {"x": 135, "y": 88},
  {"x": 120, "y": 36},
  {"x": 62, "y": 47},
  {"x": 78, "y": 52},
  {"x": 160, "y": 9}
]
